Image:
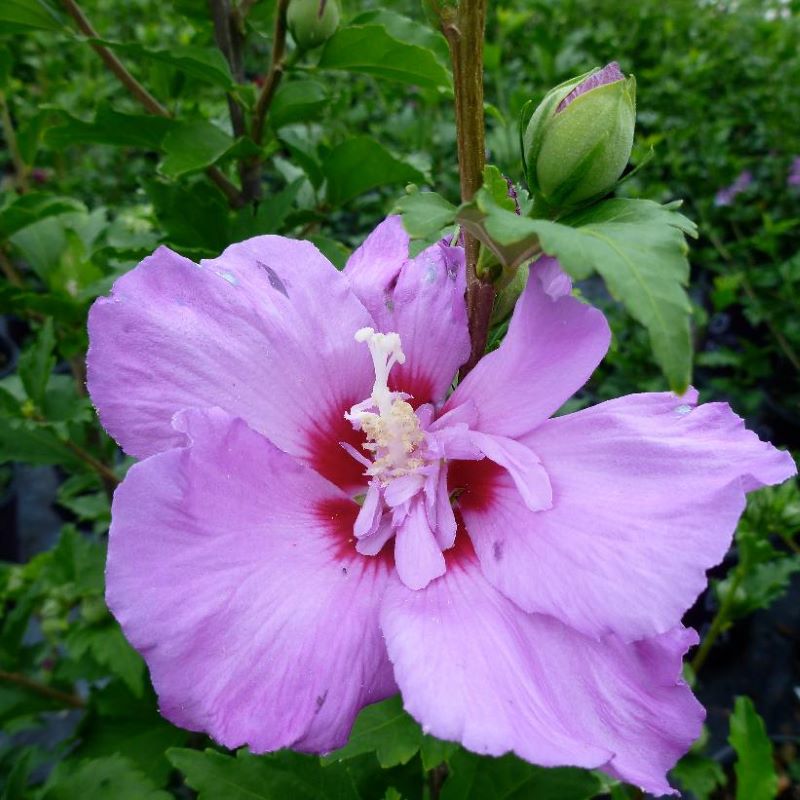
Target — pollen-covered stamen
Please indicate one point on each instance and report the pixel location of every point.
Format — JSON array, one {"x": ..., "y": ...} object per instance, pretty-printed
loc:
[{"x": 393, "y": 433}]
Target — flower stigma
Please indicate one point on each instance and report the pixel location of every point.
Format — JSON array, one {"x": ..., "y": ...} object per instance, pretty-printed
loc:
[{"x": 391, "y": 426}]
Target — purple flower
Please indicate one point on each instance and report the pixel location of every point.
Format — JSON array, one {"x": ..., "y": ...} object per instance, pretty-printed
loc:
[
  {"x": 318, "y": 522},
  {"x": 610, "y": 73},
  {"x": 793, "y": 178},
  {"x": 725, "y": 196}
]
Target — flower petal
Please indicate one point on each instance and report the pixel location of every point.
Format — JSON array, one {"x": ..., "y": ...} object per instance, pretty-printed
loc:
[
  {"x": 646, "y": 496},
  {"x": 417, "y": 555},
  {"x": 422, "y": 299},
  {"x": 552, "y": 347},
  {"x": 522, "y": 464},
  {"x": 265, "y": 331},
  {"x": 472, "y": 667},
  {"x": 231, "y": 570}
]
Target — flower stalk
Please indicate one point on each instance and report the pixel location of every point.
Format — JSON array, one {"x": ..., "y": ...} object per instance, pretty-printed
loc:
[{"x": 463, "y": 27}]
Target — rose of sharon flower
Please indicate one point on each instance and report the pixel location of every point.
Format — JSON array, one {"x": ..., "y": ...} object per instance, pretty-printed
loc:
[{"x": 317, "y": 522}]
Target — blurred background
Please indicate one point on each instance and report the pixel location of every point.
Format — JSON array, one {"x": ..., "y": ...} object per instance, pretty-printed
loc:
[{"x": 91, "y": 182}]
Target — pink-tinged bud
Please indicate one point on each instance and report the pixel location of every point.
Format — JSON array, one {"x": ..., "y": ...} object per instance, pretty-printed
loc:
[{"x": 579, "y": 139}]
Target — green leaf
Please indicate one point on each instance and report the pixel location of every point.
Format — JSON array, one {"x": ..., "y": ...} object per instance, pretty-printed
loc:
[
  {"x": 273, "y": 777},
  {"x": 193, "y": 145},
  {"x": 204, "y": 63},
  {"x": 497, "y": 186},
  {"x": 361, "y": 164},
  {"x": 120, "y": 723},
  {"x": 372, "y": 50},
  {"x": 384, "y": 729},
  {"x": 269, "y": 216},
  {"x": 109, "y": 648},
  {"x": 100, "y": 779},
  {"x": 755, "y": 770},
  {"x": 111, "y": 127},
  {"x": 37, "y": 362},
  {"x": 435, "y": 751},
  {"x": 425, "y": 213},
  {"x": 297, "y": 101},
  {"x": 28, "y": 208},
  {"x": 21, "y": 15},
  {"x": 760, "y": 586},
  {"x": 699, "y": 775},
  {"x": 33, "y": 443},
  {"x": 637, "y": 246},
  {"x": 509, "y": 778},
  {"x": 193, "y": 216}
]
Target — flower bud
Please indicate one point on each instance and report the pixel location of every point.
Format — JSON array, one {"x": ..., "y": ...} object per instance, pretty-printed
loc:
[
  {"x": 312, "y": 22},
  {"x": 579, "y": 139}
]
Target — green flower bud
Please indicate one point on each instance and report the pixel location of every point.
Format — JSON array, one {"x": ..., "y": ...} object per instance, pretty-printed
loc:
[
  {"x": 579, "y": 139},
  {"x": 312, "y": 22}
]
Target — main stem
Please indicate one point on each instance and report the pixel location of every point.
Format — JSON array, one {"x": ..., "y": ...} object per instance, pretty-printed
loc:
[{"x": 464, "y": 30}]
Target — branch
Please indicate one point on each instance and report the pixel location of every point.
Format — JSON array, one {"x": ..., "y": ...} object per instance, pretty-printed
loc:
[
  {"x": 275, "y": 73},
  {"x": 9, "y": 270},
  {"x": 65, "y": 698},
  {"x": 145, "y": 99},
  {"x": 464, "y": 30},
  {"x": 229, "y": 36},
  {"x": 20, "y": 169}
]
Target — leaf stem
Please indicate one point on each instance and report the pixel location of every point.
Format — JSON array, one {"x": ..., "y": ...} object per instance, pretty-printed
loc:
[
  {"x": 463, "y": 27},
  {"x": 274, "y": 75},
  {"x": 145, "y": 99},
  {"x": 719, "y": 623},
  {"x": 65, "y": 698}
]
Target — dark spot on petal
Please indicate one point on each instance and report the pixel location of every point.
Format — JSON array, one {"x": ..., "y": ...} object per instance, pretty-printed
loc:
[
  {"x": 497, "y": 550},
  {"x": 321, "y": 701},
  {"x": 274, "y": 279},
  {"x": 344, "y": 570}
]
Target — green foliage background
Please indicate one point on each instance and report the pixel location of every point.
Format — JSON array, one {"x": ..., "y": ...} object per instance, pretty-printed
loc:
[{"x": 91, "y": 183}]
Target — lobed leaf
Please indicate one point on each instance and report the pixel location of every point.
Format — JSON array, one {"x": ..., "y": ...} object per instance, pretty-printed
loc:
[
  {"x": 637, "y": 247},
  {"x": 755, "y": 770}
]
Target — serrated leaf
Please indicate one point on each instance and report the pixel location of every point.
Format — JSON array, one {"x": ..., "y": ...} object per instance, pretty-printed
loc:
[
  {"x": 109, "y": 648},
  {"x": 100, "y": 779},
  {"x": 297, "y": 101},
  {"x": 475, "y": 777},
  {"x": 193, "y": 145},
  {"x": 110, "y": 127},
  {"x": 755, "y": 770},
  {"x": 637, "y": 247},
  {"x": 425, "y": 213},
  {"x": 361, "y": 164},
  {"x": 28, "y": 208},
  {"x": 384, "y": 729},
  {"x": 372, "y": 50},
  {"x": 37, "y": 362},
  {"x": 272, "y": 777},
  {"x": 761, "y": 585}
]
